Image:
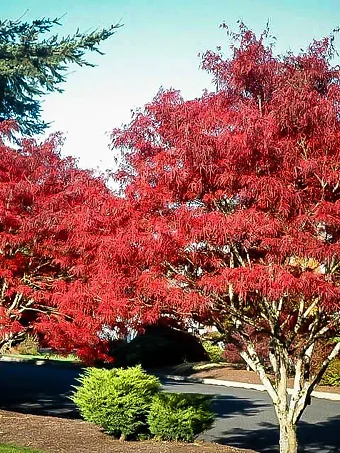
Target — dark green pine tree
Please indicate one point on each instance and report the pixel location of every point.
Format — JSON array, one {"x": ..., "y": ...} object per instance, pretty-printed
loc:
[{"x": 32, "y": 65}]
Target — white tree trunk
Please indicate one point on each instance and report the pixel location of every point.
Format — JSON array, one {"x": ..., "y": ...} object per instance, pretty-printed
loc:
[
  {"x": 288, "y": 409},
  {"x": 288, "y": 439}
]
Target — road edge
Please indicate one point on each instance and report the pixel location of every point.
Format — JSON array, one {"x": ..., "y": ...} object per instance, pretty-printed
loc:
[
  {"x": 206, "y": 381},
  {"x": 39, "y": 362},
  {"x": 244, "y": 385}
]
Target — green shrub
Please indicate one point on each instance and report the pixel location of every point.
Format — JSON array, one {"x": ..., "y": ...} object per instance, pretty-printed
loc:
[
  {"x": 147, "y": 350},
  {"x": 332, "y": 374},
  {"x": 176, "y": 416},
  {"x": 29, "y": 346},
  {"x": 118, "y": 400},
  {"x": 159, "y": 346},
  {"x": 215, "y": 353}
]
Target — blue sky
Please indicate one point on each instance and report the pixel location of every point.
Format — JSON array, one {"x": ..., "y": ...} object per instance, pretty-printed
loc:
[{"x": 157, "y": 46}]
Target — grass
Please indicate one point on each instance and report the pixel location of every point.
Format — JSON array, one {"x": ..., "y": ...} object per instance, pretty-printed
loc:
[
  {"x": 5, "y": 448},
  {"x": 68, "y": 358}
]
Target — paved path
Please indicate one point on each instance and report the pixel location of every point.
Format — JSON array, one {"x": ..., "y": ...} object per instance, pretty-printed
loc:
[{"x": 245, "y": 417}]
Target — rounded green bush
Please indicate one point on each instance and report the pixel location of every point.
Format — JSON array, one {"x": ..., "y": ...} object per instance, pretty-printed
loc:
[
  {"x": 177, "y": 417},
  {"x": 332, "y": 373},
  {"x": 118, "y": 400},
  {"x": 158, "y": 346},
  {"x": 215, "y": 353}
]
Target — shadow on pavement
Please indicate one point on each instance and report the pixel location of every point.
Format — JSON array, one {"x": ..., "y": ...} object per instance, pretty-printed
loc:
[
  {"x": 226, "y": 406},
  {"x": 38, "y": 390},
  {"x": 311, "y": 437},
  {"x": 44, "y": 390}
]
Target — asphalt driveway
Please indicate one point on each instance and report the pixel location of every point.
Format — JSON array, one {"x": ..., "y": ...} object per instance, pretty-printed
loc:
[{"x": 245, "y": 418}]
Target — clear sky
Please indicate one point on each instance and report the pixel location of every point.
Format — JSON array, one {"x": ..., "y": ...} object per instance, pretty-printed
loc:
[{"x": 157, "y": 46}]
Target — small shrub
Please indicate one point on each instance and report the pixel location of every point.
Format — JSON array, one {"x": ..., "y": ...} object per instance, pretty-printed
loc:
[
  {"x": 29, "y": 346},
  {"x": 117, "y": 400},
  {"x": 177, "y": 417},
  {"x": 147, "y": 350},
  {"x": 232, "y": 356},
  {"x": 159, "y": 346},
  {"x": 332, "y": 374},
  {"x": 215, "y": 353}
]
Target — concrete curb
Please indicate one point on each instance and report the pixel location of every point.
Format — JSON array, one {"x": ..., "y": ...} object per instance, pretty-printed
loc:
[
  {"x": 38, "y": 362},
  {"x": 244, "y": 385}
]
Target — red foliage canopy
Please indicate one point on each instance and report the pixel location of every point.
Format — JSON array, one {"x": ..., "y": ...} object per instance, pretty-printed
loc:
[
  {"x": 55, "y": 223},
  {"x": 237, "y": 195}
]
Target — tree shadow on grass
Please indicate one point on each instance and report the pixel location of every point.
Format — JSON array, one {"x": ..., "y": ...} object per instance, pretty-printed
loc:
[{"x": 312, "y": 437}]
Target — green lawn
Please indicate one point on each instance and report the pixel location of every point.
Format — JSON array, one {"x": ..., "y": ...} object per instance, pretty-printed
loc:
[
  {"x": 13, "y": 449},
  {"x": 68, "y": 358}
]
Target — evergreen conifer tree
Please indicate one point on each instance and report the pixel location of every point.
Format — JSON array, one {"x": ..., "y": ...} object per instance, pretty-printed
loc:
[{"x": 32, "y": 65}]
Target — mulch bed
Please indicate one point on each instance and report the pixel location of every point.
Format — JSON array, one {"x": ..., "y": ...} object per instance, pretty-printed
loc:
[{"x": 60, "y": 435}]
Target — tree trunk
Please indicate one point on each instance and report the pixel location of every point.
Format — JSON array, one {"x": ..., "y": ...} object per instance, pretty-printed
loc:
[{"x": 288, "y": 439}]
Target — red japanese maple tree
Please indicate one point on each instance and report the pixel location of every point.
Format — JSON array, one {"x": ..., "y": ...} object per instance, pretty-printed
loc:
[
  {"x": 236, "y": 200},
  {"x": 55, "y": 223}
]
